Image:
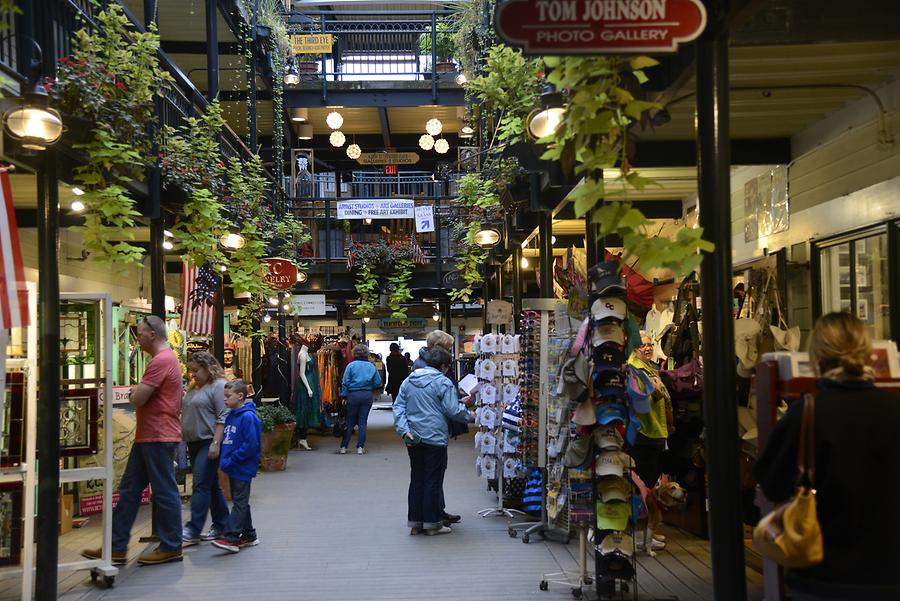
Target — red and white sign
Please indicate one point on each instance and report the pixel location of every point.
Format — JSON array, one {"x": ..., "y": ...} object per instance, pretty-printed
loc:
[
  {"x": 599, "y": 26},
  {"x": 282, "y": 273}
]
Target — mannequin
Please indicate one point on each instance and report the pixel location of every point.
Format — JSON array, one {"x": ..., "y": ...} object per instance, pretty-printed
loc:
[{"x": 307, "y": 399}]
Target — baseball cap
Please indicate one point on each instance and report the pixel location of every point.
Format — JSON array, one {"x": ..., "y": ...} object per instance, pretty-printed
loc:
[
  {"x": 616, "y": 542},
  {"x": 614, "y": 489},
  {"x": 639, "y": 388},
  {"x": 609, "y": 355},
  {"x": 608, "y": 438},
  {"x": 615, "y": 565},
  {"x": 608, "y": 413},
  {"x": 608, "y": 308},
  {"x": 613, "y": 515},
  {"x": 608, "y": 332},
  {"x": 584, "y": 413},
  {"x": 609, "y": 382},
  {"x": 606, "y": 278},
  {"x": 612, "y": 463}
]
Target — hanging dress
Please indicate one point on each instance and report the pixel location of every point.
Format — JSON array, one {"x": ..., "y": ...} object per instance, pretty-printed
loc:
[{"x": 308, "y": 407}]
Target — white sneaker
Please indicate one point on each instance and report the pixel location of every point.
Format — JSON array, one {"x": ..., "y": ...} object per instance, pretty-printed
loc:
[
  {"x": 360, "y": 450},
  {"x": 660, "y": 537},
  {"x": 436, "y": 531},
  {"x": 303, "y": 444},
  {"x": 342, "y": 451}
]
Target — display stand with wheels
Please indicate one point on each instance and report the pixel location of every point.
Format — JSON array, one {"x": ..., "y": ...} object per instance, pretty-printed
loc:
[{"x": 579, "y": 581}]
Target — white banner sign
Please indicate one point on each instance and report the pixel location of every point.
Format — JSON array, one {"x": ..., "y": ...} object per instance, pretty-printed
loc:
[
  {"x": 424, "y": 219},
  {"x": 309, "y": 304},
  {"x": 376, "y": 208}
]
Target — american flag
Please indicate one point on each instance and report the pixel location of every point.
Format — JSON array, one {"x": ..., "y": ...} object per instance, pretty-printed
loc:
[
  {"x": 418, "y": 255},
  {"x": 199, "y": 288},
  {"x": 13, "y": 293}
]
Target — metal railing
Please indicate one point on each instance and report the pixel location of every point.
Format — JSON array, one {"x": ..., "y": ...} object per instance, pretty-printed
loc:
[
  {"x": 382, "y": 46},
  {"x": 367, "y": 184}
]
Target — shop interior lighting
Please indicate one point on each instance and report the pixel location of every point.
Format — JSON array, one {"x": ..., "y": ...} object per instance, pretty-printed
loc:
[
  {"x": 461, "y": 79},
  {"x": 291, "y": 74},
  {"x": 441, "y": 146},
  {"x": 434, "y": 126},
  {"x": 487, "y": 237},
  {"x": 267, "y": 318},
  {"x": 552, "y": 239},
  {"x": 286, "y": 295},
  {"x": 337, "y": 138},
  {"x": 273, "y": 301},
  {"x": 302, "y": 277},
  {"x": 436, "y": 317},
  {"x": 285, "y": 307},
  {"x": 223, "y": 268},
  {"x": 167, "y": 245},
  {"x": 299, "y": 115},
  {"x": 77, "y": 191},
  {"x": 354, "y": 151},
  {"x": 524, "y": 263},
  {"x": 426, "y": 142},
  {"x": 367, "y": 319},
  {"x": 368, "y": 221},
  {"x": 33, "y": 122},
  {"x": 168, "y": 234},
  {"x": 466, "y": 131},
  {"x": 304, "y": 131},
  {"x": 334, "y": 120},
  {"x": 232, "y": 241},
  {"x": 546, "y": 120},
  {"x": 77, "y": 206}
]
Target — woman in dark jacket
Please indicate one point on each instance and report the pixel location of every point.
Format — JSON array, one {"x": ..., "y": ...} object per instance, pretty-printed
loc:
[
  {"x": 397, "y": 370},
  {"x": 856, "y": 449}
]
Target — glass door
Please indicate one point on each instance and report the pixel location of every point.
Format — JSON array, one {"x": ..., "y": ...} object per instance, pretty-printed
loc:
[{"x": 855, "y": 278}]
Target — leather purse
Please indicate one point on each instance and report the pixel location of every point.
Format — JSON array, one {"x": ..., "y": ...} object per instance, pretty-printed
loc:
[
  {"x": 685, "y": 382},
  {"x": 790, "y": 535}
]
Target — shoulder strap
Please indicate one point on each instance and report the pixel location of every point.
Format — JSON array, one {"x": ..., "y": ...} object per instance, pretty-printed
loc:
[{"x": 806, "y": 450}]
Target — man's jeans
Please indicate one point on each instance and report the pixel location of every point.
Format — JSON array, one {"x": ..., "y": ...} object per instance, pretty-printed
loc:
[
  {"x": 240, "y": 523},
  {"x": 153, "y": 463},
  {"x": 359, "y": 403},
  {"x": 427, "y": 463},
  {"x": 206, "y": 495}
]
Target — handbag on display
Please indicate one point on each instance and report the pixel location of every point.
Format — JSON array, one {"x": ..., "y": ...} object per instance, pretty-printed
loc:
[
  {"x": 790, "y": 535},
  {"x": 785, "y": 338},
  {"x": 682, "y": 341},
  {"x": 684, "y": 382}
]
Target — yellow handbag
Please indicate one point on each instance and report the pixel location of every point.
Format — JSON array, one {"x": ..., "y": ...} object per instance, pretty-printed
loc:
[{"x": 790, "y": 535}]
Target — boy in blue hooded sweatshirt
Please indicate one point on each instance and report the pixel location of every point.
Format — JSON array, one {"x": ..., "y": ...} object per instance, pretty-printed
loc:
[{"x": 240, "y": 457}]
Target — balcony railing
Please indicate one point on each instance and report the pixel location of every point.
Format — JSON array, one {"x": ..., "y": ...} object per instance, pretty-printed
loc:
[{"x": 381, "y": 46}]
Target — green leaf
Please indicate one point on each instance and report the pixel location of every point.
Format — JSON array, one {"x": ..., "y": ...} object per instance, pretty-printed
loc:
[{"x": 642, "y": 62}]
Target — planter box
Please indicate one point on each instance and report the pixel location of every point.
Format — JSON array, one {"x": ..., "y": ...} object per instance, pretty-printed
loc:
[
  {"x": 275, "y": 447},
  {"x": 445, "y": 67}
]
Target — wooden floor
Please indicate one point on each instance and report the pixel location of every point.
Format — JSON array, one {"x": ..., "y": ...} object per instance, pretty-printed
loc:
[{"x": 333, "y": 527}]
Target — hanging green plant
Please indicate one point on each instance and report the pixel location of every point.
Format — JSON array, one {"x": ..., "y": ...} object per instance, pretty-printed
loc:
[
  {"x": 398, "y": 285},
  {"x": 367, "y": 288},
  {"x": 602, "y": 107},
  {"x": 469, "y": 258},
  {"x": 109, "y": 82},
  {"x": 382, "y": 262}
]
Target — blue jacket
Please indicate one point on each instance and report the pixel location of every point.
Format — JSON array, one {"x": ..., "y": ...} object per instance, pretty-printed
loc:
[
  {"x": 426, "y": 400},
  {"x": 241, "y": 442},
  {"x": 360, "y": 375}
]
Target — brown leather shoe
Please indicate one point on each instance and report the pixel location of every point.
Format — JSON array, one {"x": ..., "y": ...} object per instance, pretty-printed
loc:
[
  {"x": 119, "y": 558},
  {"x": 158, "y": 555}
]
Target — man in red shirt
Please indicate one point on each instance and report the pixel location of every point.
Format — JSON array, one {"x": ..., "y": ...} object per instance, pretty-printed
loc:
[{"x": 157, "y": 400}]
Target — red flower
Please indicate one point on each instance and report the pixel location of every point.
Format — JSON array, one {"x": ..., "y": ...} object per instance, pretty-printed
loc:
[
  {"x": 120, "y": 85},
  {"x": 165, "y": 161}
]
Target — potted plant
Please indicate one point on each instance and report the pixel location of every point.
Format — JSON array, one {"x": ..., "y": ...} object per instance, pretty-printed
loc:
[
  {"x": 277, "y": 427},
  {"x": 444, "y": 48}
]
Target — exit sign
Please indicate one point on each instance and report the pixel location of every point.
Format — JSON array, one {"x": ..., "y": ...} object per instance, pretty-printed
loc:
[{"x": 390, "y": 169}]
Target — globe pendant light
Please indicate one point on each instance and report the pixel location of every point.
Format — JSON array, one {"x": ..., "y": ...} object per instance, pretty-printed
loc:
[
  {"x": 426, "y": 142},
  {"x": 334, "y": 120},
  {"x": 354, "y": 151},
  {"x": 434, "y": 126},
  {"x": 441, "y": 146},
  {"x": 337, "y": 139}
]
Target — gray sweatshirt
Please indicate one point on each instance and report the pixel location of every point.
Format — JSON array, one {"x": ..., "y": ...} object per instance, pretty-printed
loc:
[{"x": 201, "y": 409}]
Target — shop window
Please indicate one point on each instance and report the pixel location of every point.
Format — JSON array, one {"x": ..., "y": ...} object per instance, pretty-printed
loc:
[{"x": 855, "y": 279}]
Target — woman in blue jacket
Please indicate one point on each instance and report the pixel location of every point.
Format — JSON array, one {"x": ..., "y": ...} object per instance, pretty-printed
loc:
[
  {"x": 425, "y": 402},
  {"x": 360, "y": 382}
]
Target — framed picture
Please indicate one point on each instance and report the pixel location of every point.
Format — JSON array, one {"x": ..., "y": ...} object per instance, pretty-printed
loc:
[
  {"x": 862, "y": 309},
  {"x": 78, "y": 417},
  {"x": 12, "y": 451},
  {"x": 884, "y": 359},
  {"x": 11, "y": 523}
]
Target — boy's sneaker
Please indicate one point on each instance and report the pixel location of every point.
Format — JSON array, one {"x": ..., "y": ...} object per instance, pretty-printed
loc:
[
  {"x": 188, "y": 538},
  {"x": 211, "y": 535},
  {"x": 342, "y": 451},
  {"x": 246, "y": 541},
  {"x": 226, "y": 545}
]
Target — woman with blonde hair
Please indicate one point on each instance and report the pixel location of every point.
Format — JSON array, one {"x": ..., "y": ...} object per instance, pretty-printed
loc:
[
  {"x": 203, "y": 414},
  {"x": 855, "y": 431}
]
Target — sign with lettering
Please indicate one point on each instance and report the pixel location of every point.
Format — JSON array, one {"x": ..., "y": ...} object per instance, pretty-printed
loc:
[
  {"x": 309, "y": 304},
  {"x": 411, "y": 324},
  {"x": 424, "y": 219},
  {"x": 390, "y": 169},
  {"x": 282, "y": 273},
  {"x": 388, "y": 158},
  {"x": 455, "y": 279},
  {"x": 319, "y": 43},
  {"x": 376, "y": 208},
  {"x": 599, "y": 26}
]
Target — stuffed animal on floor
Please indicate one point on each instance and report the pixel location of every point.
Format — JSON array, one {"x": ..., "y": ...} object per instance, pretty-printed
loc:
[{"x": 666, "y": 495}]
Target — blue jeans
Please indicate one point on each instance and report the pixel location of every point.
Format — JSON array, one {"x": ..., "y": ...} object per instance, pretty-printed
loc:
[
  {"x": 359, "y": 403},
  {"x": 153, "y": 463},
  {"x": 206, "y": 495},
  {"x": 427, "y": 464},
  {"x": 240, "y": 523}
]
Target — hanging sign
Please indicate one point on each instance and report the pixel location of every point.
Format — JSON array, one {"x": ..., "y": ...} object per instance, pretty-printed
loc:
[
  {"x": 282, "y": 273},
  {"x": 388, "y": 158},
  {"x": 412, "y": 324},
  {"x": 499, "y": 312},
  {"x": 424, "y": 219},
  {"x": 320, "y": 43},
  {"x": 195, "y": 345},
  {"x": 309, "y": 304},
  {"x": 599, "y": 26},
  {"x": 455, "y": 279},
  {"x": 390, "y": 169},
  {"x": 376, "y": 208}
]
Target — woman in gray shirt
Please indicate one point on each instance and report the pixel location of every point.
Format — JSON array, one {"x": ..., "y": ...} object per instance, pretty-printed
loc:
[{"x": 203, "y": 415}]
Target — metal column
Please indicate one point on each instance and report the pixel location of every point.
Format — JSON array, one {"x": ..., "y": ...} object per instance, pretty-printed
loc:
[
  {"x": 545, "y": 234},
  {"x": 154, "y": 188},
  {"x": 212, "y": 73},
  {"x": 516, "y": 258},
  {"x": 252, "y": 139},
  {"x": 720, "y": 412},
  {"x": 592, "y": 248}
]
